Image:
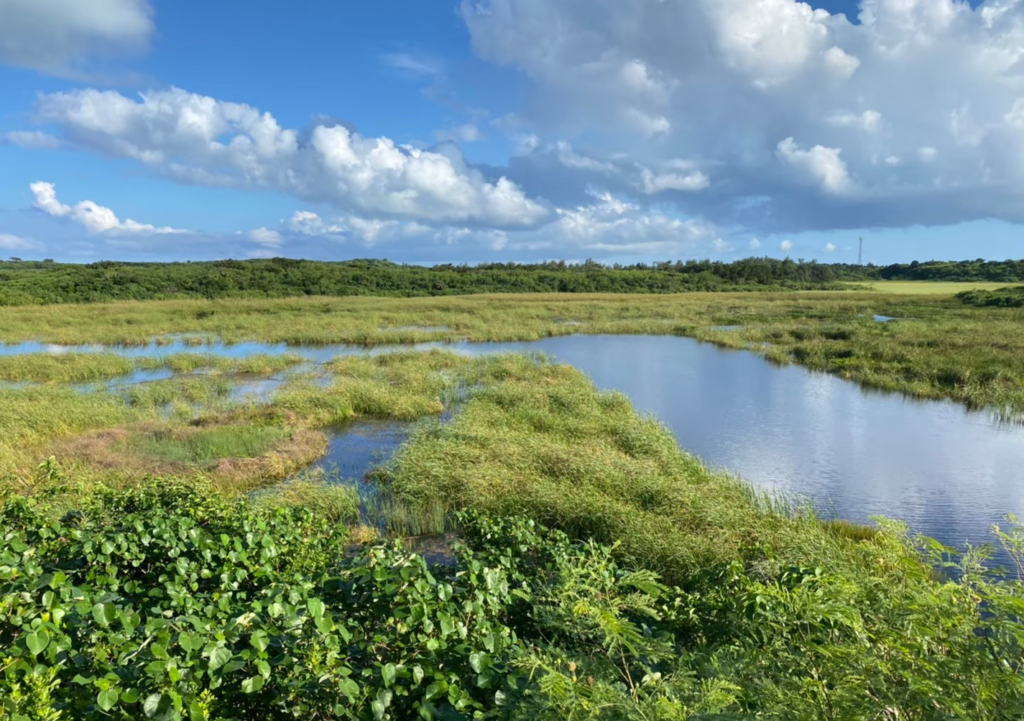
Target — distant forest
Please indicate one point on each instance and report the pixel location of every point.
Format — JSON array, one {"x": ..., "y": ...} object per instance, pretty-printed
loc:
[{"x": 42, "y": 282}]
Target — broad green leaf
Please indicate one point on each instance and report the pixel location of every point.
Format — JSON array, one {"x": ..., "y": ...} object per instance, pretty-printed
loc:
[
  {"x": 151, "y": 706},
  {"x": 260, "y": 640},
  {"x": 107, "y": 699},
  {"x": 349, "y": 687},
  {"x": 478, "y": 661},
  {"x": 252, "y": 684},
  {"x": 218, "y": 657},
  {"x": 37, "y": 641},
  {"x": 381, "y": 703},
  {"x": 104, "y": 613}
]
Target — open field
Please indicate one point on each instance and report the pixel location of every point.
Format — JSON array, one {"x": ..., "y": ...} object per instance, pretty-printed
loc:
[{"x": 928, "y": 287}]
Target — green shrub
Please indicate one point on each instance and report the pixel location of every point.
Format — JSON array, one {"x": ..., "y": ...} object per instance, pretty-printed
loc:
[
  {"x": 1009, "y": 297},
  {"x": 167, "y": 602}
]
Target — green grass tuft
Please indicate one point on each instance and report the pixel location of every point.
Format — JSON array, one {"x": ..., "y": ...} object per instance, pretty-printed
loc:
[{"x": 205, "y": 444}]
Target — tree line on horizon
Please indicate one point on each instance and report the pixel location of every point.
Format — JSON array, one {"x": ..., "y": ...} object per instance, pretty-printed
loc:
[{"x": 26, "y": 282}]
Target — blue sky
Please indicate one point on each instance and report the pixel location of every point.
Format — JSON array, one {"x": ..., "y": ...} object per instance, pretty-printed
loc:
[{"x": 428, "y": 131}]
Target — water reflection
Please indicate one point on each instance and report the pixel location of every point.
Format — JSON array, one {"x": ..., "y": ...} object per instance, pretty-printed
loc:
[
  {"x": 950, "y": 473},
  {"x": 355, "y": 448}
]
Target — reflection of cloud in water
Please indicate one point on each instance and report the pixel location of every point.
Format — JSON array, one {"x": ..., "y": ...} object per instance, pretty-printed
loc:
[
  {"x": 255, "y": 390},
  {"x": 356, "y": 447},
  {"x": 949, "y": 472}
]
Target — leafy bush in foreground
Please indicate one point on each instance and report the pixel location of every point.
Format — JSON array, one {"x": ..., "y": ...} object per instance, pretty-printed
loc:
[{"x": 165, "y": 602}]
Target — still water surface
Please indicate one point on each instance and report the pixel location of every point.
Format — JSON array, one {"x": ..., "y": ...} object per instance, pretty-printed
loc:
[{"x": 855, "y": 453}]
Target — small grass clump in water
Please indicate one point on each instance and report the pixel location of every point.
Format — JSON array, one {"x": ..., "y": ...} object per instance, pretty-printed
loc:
[
  {"x": 205, "y": 444},
  {"x": 203, "y": 391},
  {"x": 404, "y": 518},
  {"x": 402, "y": 386},
  {"x": 78, "y": 367},
  {"x": 64, "y": 367}
]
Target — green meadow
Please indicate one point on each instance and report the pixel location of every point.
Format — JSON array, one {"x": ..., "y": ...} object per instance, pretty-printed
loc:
[
  {"x": 928, "y": 287},
  {"x": 536, "y": 549}
]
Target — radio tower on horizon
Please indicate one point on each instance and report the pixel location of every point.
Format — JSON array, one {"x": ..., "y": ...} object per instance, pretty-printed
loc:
[{"x": 860, "y": 251}]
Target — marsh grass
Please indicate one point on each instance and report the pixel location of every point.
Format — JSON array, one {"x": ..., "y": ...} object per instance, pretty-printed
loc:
[
  {"x": 83, "y": 367},
  {"x": 204, "y": 445},
  {"x": 401, "y": 386},
  {"x": 850, "y": 530},
  {"x": 780, "y": 609},
  {"x": 940, "y": 348},
  {"x": 397, "y": 517},
  {"x": 190, "y": 425},
  {"x": 333, "y": 502},
  {"x": 235, "y": 458},
  {"x": 32, "y": 417},
  {"x": 64, "y": 367},
  {"x": 928, "y": 287},
  {"x": 539, "y": 439}
]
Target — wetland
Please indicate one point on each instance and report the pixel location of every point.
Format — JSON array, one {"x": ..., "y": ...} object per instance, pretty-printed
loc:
[{"x": 518, "y": 506}]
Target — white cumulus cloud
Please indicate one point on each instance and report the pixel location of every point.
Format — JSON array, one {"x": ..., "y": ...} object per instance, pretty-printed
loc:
[
  {"x": 32, "y": 139},
  {"x": 803, "y": 119},
  {"x": 605, "y": 225},
  {"x": 366, "y": 229},
  {"x": 198, "y": 139},
  {"x": 724, "y": 81},
  {"x": 869, "y": 121},
  {"x": 653, "y": 183},
  {"x": 93, "y": 217},
  {"x": 266, "y": 237},
  {"x": 14, "y": 242},
  {"x": 819, "y": 163},
  {"x": 840, "y": 62}
]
